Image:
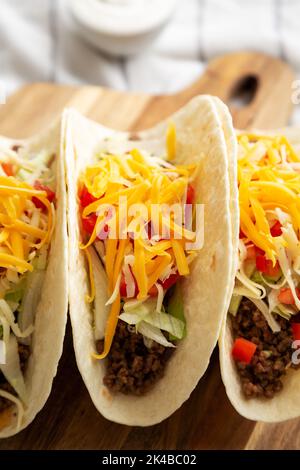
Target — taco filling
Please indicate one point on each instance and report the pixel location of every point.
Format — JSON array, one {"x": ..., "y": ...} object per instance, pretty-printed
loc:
[
  {"x": 266, "y": 298},
  {"x": 144, "y": 261},
  {"x": 27, "y": 201}
]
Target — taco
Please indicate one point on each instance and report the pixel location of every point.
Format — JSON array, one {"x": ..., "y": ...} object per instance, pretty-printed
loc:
[
  {"x": 33, "y": 274},
  {"x": 146, "y": 308},
  {"x": 259, "y": 342}
]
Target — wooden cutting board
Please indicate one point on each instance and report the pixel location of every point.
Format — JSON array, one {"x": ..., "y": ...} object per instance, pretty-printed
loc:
[{"x": 258, "y": 91}]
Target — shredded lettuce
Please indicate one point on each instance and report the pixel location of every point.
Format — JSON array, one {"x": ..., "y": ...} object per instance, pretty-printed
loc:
[
  {"x": 273, "y": 283},
  {"x": 167, "y": 323},
  {"x": 6, "y": 315},
  {"x": 235, "y": 304},
  {"x": 249, "y": 268},
  {"x": 5, "y": 330},
  {"x": 263, "y": 308},
  {"x": 100, "y": 312},
  {"x": 40, "y": 260},
  {"x": 260, "y": 288},
  {"x": 145, "y": 314},
  {"x": 30, "y": 300},
  {"x": 285, "y": 265},
  {"x": 273, "y": 301},
  {"x": 132, "y": 318},
  {"x": 38, "y": 165},
  {"x": 143, "y": 308},
  {"x": 257, "y": 290},
  {"x": 154, "y": 333},
  {"x": 130, "y": 305},
  {"x": 175, "y": 307},
  {"x": 16, "y": 294},
  {"x": 150, "y": 325},
  {"x": 12, "y": 368},
  {"x": 285, "y": 311}
]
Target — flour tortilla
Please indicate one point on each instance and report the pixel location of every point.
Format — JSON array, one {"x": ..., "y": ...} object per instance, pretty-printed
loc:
[
  {"x": 51, "y": 315},
  {"x": 286, "y": 404},
  {"x": 200, "y": 138}
]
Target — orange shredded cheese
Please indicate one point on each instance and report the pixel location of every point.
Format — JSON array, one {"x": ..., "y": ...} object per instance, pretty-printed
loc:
[{"x": 133, "y": 176}]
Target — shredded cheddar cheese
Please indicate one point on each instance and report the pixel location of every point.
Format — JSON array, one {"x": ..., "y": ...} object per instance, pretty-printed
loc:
[
  {"x": 171, "y": 141},
  {"x": 26, "y": 226},
  {"x": 138, "y": 179},
  {"x": 17, "y": 236},
  {"x": 267, "y": 180}
]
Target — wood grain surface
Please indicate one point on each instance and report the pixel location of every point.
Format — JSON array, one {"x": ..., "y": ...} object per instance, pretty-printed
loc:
[{"x": 207, "y": 420}]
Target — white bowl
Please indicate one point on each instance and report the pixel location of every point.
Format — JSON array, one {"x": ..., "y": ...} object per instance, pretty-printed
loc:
[{"x": 121, "y": 27}]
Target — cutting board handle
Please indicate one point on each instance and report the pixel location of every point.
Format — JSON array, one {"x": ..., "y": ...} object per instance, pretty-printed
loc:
[{"x": 256, "y": 87}]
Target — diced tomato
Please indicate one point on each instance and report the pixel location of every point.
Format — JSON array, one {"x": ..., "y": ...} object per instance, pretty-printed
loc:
[
  {"x": 273, "y": 271},
  {"x": 261, "y": 263},
  {"x": 38, "y": 204},
  {"x": 296, "y": 331},
  {"x": 123, "y": 291},
  {"x": 89, "y": 223},
  {"x": 285, "y": 296},
  {"x": 50, "y": 195},
  {"x": 170, "y": 281},
  {"x": 8, "y": 169},
  {"x": 190, "y": 194},
  {"x": 41, "y": 187},
  {"x": 166, "y": 284},
  {"x": 243, "y": 350},
  {"x": 259, "y": 251},
  {"x": 276, "y": 229},
  {"x": 149, "y": 230},
  {"x": 242, "y": 235},
  {"x": 86, "y": 198},
  {"x": 153, "y": 291},
  {"x": 251, "y": 252},
  {"x": 265, "y": 266}
]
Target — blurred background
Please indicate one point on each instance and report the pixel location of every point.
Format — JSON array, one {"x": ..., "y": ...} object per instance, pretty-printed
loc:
[{"x": 65, "y": 42}]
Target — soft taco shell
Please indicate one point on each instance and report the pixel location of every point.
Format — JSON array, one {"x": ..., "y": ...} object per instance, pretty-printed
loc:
[
  {"x": 284, "y": 405},
  {"x": 200, "y": 137},
  {"x": 51, "y": 315}
]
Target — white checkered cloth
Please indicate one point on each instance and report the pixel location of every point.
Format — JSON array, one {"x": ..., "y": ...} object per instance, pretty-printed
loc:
[{"x": 38, "y": 42}]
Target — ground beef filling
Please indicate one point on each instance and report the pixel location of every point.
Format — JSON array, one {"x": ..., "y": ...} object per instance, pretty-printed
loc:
[
  {"x": 24, "y": 352},
  {"x": 272, "y": 358},
  {"x": 132, "y": 368}
]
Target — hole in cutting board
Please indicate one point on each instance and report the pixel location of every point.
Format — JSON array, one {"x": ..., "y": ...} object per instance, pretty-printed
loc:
[{"x": 244, "y": 91}]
